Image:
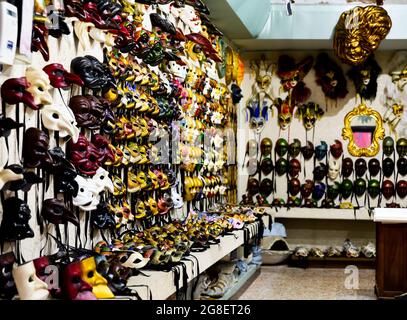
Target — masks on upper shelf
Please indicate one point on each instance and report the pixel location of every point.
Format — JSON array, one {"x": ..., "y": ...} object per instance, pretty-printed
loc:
[
  {"x": 15, "y": 223},
  {"x": 294, "y": 186},
  {"x": 60, "y": 78},
  {"x": 333, "y": 191},
  {"x": 364, "y": 78},
  {"x": 309, "y": 114},
  {"x": 359, "y": 32},
  {"x": 330, "y": 77},
  {"x": 291, "y": 73},
  {"x": 285, "y": 112},
  {"x": 35, "y": 149}
]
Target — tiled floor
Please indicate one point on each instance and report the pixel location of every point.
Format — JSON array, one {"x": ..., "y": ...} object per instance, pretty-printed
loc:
[{"x": 284, "y": 283}]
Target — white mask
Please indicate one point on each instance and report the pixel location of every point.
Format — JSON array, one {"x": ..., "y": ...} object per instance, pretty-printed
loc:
[
  {"x": 179, "y": 71},
  {"x": 82, "y": 30},
  {"x": 135, "y": 261},
  {"x": 98, "y": 35},
  {"x": 177, "y": 199},
  {"x": 333, "y": 171},
  {"x": 7, "y": 175},
  {"x": 39, "y": 86},
  {"x": 29, "y": 286},
  {"x": 61, "y": 119},
  {"x": 102, "y": 181},
  {"x": 188, "y": 17},
  {"x": 87, "y": 198}
]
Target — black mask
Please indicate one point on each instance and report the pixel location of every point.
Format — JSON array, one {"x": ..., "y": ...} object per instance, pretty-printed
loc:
[
  {"x": 6, "y": 125},
  {"x": 102, "y": 218},
  {"x": 54, "y": 211},
  {"x": 388, "y": 167},
  {"x": 402, "y": 166},
  {"x": 320, "y": 172},
  {"x": 16, "y": 217},
  {"x": 7, "y": 286}
]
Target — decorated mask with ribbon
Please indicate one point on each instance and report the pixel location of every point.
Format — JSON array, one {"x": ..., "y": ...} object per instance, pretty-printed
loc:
[
  {"x": 29, "y": 286},
  {"x": 14, "y": 91},
  {"x": 35, "y": 148},
  {"x": 60, "y": 78},
  {"x": 285, "y": 112}
]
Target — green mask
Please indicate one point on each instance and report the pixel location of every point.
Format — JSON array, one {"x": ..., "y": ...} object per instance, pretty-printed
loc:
[
  {"x": 360, "y": 187},
  {"x": 388, "y": 146},
  {"x": 295, "y": 148},
  {"x": 346, "y": 188},
  {"x": 281, "y": 166},
  {"x": 281, "y": 147},
  {"x": 373, "y": 188}
]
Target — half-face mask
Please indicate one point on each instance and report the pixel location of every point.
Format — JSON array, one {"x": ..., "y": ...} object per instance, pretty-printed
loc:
[
  {"x": 55, "y": 212},
  {"x": 93, "y": 73},
  {"x": 266, "y": 166},
  {"x": 88, "y": 111},
  {"x": 374, "y": 167},
  {"x": 336, "y": 149},
  {"x": 102, "y": 181},
  {"x": 281, "y": 147},
  {"x": 401, "y": 189},
  {"x": 294, "y": 186},
  {"x": 347, "y": 167},
  {"x": 84, "y": 156},
  {"x": 309, "y": 114},
  {"x": 320, "y": 172},
  {"x": 35, "y": 149},
  {"x": 308, "y": 150},
  {"x": 117, "y": 276},
  {"x": 360, "y": 167},
  {"x": 346, "y": 188},
  {"x": 266, "y": 187},
  {"x": 60, "y": 78},
  {"x": 388, "y": 189},
  {"x": 39, "y": 86},
  {"x": 321, "y": 150},
  {"x": 388, "y": 146},
  {"x": 294, "y": 148},
  {"x": 73, "y": 287},
  {"x": 92, "y": 277},
  {"x": 291, "y": 73},
  {"x": 307, "y": 188},
  {"x": 14, "y": 91},
  {"x": 104, "y": 147},
  {"x": 7, "y": 286},
  {"x": 29, "y": 286},
  {"x": 330, "y": 77},
  {"x": 294, "y": 168},
  {"x": 15, "y": 223},
  {"x": 401, "y": 147},
  {"x": 402, "y": 166},
  {"x": 177, "y": 199},
  {"x": 60, "y": 119},
  {"x": 87, "y": 197},
  {"x": 333, "y": 171},
  {"x": 373, "y": 188},
  {"x": 319, "y": 191},
  {"x": 134, "y": 260},
  {"x": 388, "y": 167},
  {"x": 360, "y": 187}
]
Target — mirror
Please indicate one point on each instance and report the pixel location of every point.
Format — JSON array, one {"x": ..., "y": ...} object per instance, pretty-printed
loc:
[{"x": 363, "y": 129}]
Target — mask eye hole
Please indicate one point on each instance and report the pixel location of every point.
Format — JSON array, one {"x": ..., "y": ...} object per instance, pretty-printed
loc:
[
  {"x": 82, "y": 190},
  {"x": 55, "y": 115},
  {"x": 90, "y": 274},
  {"x": 76, "y": 279},
  {"x": 31, "y": 279}
]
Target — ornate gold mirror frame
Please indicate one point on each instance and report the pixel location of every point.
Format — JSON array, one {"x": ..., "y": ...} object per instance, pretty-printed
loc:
[{"x": 347, "y": 133}]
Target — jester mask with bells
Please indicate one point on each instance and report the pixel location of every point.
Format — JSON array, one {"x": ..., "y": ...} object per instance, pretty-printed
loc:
[
  {"x": 359, "y": 32},
  {"x": 309, "y": 114}
]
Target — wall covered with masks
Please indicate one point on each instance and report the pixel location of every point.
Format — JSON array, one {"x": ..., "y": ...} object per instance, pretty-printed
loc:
[{"x": 328, "y": 128}]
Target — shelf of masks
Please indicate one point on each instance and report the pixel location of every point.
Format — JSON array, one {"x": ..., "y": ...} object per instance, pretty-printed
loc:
[
  {"x": 159, "y": 285},
  {"x": 320, "y": 213},
  {"x": 392, "y": 215}
]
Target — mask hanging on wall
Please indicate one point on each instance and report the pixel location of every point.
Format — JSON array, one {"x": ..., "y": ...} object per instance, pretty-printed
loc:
[
  {"x": 7, "y": 286},
  {"x": 388, "y": 189},
  {"x": 347, "y": 167},
  {"x": 60, "y": 78},
  {"x": 309, "y": 114},
  {"x": 55, "y": 212},
  {"x": 29, "y": 286},
  {"x": 39, "y": 86},
  {"x": 73, "y": 287},
  {"x": 334, "y": 169},
  {"x": 14, "y": 91},
  {"x": 16, "y": 217},
  {"x": 285, "y": 113},
  {"x": 35, "y": 149},
  {"x": 364, "y": 78},
  {"x": 330, "y": 77},
  {"x": 60, "y": 119},
  {"x": 359, "y": 32},
  {"x": 92, "y": 277}
]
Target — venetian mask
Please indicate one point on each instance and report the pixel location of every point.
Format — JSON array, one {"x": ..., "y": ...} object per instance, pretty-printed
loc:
[
  {"x": 35, "y": 148},
  {"x": 364, "y": 77},
  {"x": 29, "y": 286},
  {"x": 55, "y": 212},
  {"x": 16, "y": 217},
  {"x": 333, "y": 171},
  {"x": 309, "y": 114},
  {"x": 60, "y": 119},
  {"x": 285, "y": 113},
  {"x": 39, "y": 86},
  {"x": 190, "y": 18},
  {"x": 87, "y": 197},
  {"x": 88, "y": 111},
  {"x": 60, "y": 78},
  {"x": 388, "y": 189},
  {"x": 102, "y": 217},
  {"x": 92, "y": 277},
  {"x": 73, "y": 286},
  {"x": 14, "y": 91},
  {"x": 336, "y": 149},
  {"x": 294, "y": 168},
  {"x": 84, "y": 156},
  {"x": 347, "y": 167},
  {"x": 7, "y": 286}
]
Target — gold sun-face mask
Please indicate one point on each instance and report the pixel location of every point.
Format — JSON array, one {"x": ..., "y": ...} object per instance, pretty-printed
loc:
[
  {"x": 95, "y": 279},
  {"x": 359, "y": 32}
]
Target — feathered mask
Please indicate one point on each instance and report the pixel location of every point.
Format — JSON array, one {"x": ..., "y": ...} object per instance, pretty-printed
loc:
[
  {"x": 309, "y": 114},
  {"x": 364, "y": 77},
  {"x": 258, "y": 115},
  {"x": 285, "y": 112},
  {"x": 330, "y": 77}
]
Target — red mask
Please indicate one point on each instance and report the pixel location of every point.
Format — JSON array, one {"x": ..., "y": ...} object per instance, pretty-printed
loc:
[
  {"x": 13, "y": 91},
  {"x": 401, "y": 189},
  {"x": 294, "y": 168},
  {"x": 104, "y": 147},
  {"x": 74, "y": 288},
  {"x": 39, "y": 40},
  {"x": 35, "y": 149},
  {"x": 84, "y": 156},
  {"x": 88, "y": 111},
  {"x": 60, "y": 78}
]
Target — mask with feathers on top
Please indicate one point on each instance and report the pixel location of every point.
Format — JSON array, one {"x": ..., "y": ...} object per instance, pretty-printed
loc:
[
  {"x": 330, "y": 77},
  {"x": 258, "y": 115},
  {"x": 309, "y": 114},
  {"x": 364, "y": 77},
  {"x": 285, "y": 112}
]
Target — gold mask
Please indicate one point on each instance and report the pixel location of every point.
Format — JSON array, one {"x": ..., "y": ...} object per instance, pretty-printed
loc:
[{"x": 359, "y": 32}]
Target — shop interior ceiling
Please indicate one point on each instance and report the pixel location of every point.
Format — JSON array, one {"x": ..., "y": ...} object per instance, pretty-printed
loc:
[{"x": 264, "y": 25}]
